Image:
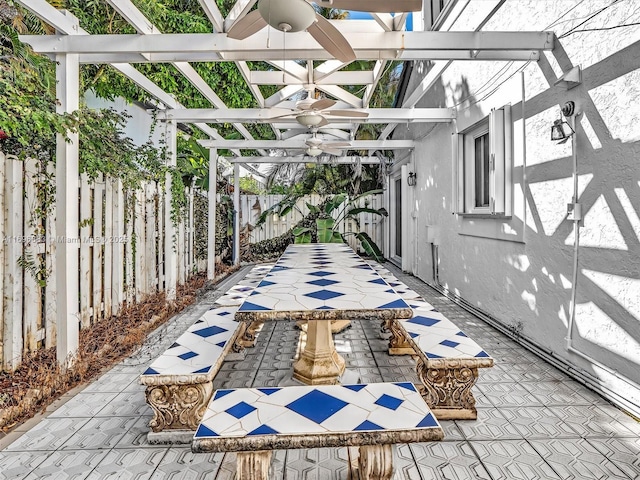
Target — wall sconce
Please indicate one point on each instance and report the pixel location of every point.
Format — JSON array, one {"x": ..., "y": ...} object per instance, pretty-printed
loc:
[
  {"x": 561, "y": 131},
  {"x": 411, "y": 179}
]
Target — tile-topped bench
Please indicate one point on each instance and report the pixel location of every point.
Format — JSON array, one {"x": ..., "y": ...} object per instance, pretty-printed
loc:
[
  {"x": 447, "y": 365},
  {"x": 180, "y": 381},
  {"x": 255, "y": 421}
]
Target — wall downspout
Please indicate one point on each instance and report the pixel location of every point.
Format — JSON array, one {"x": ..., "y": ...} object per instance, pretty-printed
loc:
[{"x": 574, "y": 280}]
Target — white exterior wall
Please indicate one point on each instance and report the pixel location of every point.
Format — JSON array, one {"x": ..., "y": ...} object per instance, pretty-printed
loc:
[
  {"x": 519, "y": 270},
  {"x": 138, "y": 127}
]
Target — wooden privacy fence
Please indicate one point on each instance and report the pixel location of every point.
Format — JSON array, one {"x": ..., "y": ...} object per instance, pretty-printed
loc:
[
  {"x": 251, "y": 206},
  {"x": 121, "y": 253}
]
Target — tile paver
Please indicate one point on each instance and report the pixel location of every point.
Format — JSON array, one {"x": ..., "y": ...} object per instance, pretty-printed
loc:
[{"x": 533, "y": 420}]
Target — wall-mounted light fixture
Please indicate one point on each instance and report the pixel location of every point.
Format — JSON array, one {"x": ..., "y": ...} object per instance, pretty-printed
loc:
[
  {"x": 561, "y": 131},
  {"x": 411, "y": 179}
]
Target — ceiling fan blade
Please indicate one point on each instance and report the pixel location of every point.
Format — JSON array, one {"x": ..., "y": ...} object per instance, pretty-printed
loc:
[
  {"x": 322, "y": 104},
  {"x": 279, "y": 113},
  {"x": 377, "y": 6},
  {"x": 332, "y": 151},
  {"x": 330, "y": 38},
  {"x": 346, "y": 113},
  {"x": 323, "y": 123},
  {"x": 251, "y": 23},
  {"x": 335, "y": 145}
]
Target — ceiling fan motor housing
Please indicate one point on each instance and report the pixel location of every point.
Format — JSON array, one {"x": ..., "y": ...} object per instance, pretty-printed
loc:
[{"x": 287, "y": 15}]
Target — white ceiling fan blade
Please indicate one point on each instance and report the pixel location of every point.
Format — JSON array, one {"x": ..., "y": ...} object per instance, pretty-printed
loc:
[
  {"x": 332, "y": 151},
  {"x": 322, "y": 104},
  {"x": 346, "y": 113},
  {"x": 378, "y": 6},
  {"x": 280, "y": 113},
  {"x": 330, "y": 38},
  {"x": 251, "y": 23}
]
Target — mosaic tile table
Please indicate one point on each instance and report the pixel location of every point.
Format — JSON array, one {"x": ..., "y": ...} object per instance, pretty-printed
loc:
[
  {"x": 319, "y": 283},
  {"x": 255, "y": 421}
]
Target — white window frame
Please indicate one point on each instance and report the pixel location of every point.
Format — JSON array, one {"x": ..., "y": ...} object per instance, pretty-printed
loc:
[{"x": 498, "y": 125}]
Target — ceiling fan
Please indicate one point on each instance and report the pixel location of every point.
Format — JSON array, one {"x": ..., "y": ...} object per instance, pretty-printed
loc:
[
  {"x": 299, "y": 15},
  {"x": 311, "y": 112},
  {"x": 316, "y": 146}
]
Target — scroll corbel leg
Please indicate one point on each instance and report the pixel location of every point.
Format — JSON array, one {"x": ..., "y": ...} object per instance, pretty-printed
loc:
[{"x": 447, "y": 391}]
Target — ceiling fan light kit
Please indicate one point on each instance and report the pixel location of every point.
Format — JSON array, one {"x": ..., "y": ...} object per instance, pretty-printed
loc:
[
  {"x": 310, "y": 119},
  {"x": 287, "y": 16}
]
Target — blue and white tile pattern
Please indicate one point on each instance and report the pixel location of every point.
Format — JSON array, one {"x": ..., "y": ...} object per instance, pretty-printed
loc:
[
  {"x": 438, "y": 337},
  {"x": 200, "y": 347},
  {"x": 315, "y": 409}
]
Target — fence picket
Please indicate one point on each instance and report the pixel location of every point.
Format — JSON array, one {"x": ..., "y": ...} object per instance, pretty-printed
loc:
[
  {"x": 98, "y": 246},
  {"x": 108, "y": 248},
  {"x": 13, "y": 337},
  {"x": 85, "y": 264},
  {"x": 3, "y": 163},
  {"x": 32, "y": 252}
]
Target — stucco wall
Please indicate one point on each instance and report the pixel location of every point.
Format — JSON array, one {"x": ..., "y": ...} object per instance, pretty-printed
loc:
[
  {"x": 139, "y": 126},
  {"x": 525, "y": 280}
]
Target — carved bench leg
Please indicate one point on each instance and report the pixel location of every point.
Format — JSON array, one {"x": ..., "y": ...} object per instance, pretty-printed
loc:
[
  {"x": 178, "y": 407},
  {"x": 447, "y": 391},
  {"x": 248, "y": 337},
  {"x": 398, "y": 344},
  {"x": 253, "y": 465},
  {"x": 375, "y": 462}
]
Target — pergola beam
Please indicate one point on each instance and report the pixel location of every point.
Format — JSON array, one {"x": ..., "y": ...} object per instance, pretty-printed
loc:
[
  {"x": 307, "y": 159},
  {"x": 383, "y": 45},
  {"x": 301, "y": 145},
  {"x": 263, "y": 115},
  {"x": 361, "y": 77}
]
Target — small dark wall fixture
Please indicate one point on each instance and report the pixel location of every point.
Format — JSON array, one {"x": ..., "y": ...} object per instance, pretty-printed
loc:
[{"x": 411, "y": 179}]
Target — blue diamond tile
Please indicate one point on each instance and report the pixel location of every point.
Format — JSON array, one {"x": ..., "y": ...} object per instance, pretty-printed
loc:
[
  {"x": 188, "y": 355},
  {"x": 461, "y": 334},
  {"x": 482, "y": 354},
  {"x": 321, "y": 273},
  {"x": 355, "y": 388},
  {"x": 203, "y": 370},
  {"x": 265, "y": 283},
  {"x": 240, "y": 410},
  {"x": 408, "y": 385},
  {"x": 221, "y": 344},
  {"x": 202, "y": 321},
  {"x": 269, "y": 391},
  {"x": 432, "y": 355},
  {"x": 150, "y": 371},
  {"x": 324, "y": 294},
  {"x": 176, "y": 344},
  {"x": 378, "y": 281},
  {"x": 323, "y": 282},
  {"x": 316, "y": 406},
  {"x": 395, "y": 304},
  {"x": 210, "y": 331},
  {"x": 389, "y": 402},
  {"x": 426, "y": 321},
  {"x": 427, "y": 421},
  {"x": 263, "y": 430},
  {"x": 248, "y": 306},
  {"x": 414, "y": 335},
  {"x": 449, "y": 343},
  {"x": 324, "y": 307},
  {"x": 367, "y": 425},
  {"x": 221, "y": 393},
  {"x": 205, "y": 432},
  {"x": 222, "y": 314}
]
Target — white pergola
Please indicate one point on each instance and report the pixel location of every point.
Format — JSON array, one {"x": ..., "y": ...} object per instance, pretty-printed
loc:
[{"x": 292, "y": 55}]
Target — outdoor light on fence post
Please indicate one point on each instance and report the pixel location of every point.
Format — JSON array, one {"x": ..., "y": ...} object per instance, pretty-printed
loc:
[
  {"x": 561, "y": 131},
  {"x": 411, "y": 179}
]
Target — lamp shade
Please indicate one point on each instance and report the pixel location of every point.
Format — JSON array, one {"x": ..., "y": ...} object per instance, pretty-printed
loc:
[{"x": 561, "y": 131}]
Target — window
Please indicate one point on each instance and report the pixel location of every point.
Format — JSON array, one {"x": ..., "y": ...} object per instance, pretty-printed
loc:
[{"x": 483, "y": 166}]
